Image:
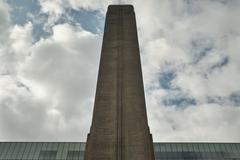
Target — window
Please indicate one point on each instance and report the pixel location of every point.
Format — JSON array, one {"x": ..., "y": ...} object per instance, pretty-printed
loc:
[
  {"x": 75, "y": 155},
  {"x": 47, "y": 155}
]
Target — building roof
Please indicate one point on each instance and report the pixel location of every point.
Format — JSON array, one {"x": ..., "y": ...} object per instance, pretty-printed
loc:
[{"x": 75, "y": 150}]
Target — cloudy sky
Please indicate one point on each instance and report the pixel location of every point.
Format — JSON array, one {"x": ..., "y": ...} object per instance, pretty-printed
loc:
[{"x": 49, "y": 56}]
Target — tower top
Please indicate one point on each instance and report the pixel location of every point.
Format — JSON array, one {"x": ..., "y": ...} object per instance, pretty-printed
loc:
[{"x": 117, "y": 8}]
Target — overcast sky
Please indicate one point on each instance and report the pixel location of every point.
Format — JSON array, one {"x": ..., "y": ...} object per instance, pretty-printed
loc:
[{"x": 49, "y": 56}]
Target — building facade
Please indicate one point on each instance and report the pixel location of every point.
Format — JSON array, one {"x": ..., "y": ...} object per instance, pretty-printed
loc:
[{"x": 76, "y": 150}]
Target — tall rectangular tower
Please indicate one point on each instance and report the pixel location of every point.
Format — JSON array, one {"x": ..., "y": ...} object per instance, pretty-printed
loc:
[{"x": 119, "y": 128}]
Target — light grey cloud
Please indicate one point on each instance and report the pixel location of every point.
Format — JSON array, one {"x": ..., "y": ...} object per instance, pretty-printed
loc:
[
  {"x": 190, "y": 58},
  {"x": 47, "y": 86},
  {"x": 207, "y": 122},
  {"x": 191, "y": 43}
]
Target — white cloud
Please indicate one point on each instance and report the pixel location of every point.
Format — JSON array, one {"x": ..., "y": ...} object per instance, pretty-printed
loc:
[
  {"x": 63, "y": 71},
  {"x": 173, "y": 37},
  {"x": 90, "y": 5},
  {"x": 56, "y": 9},
  {"x": 21, "y": 39},
  {"x": 52, "y": 7},
  {"x": 48, "y": 86},
  {"x": 211, "y": 123}
]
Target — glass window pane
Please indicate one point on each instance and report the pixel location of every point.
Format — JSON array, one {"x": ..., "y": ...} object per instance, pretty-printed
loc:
[
  {"x": 71, "y": 146},
  {"x": 77, "y": 146},
  {"x": 32, "y": 150},
  {"x": 21, "y": 151},
  {"x": 206, "y": 147},
  {"x": 168, "y": 147},
  {"x": 228, "y": 147},
  {"x": 10, "y": 150},
  {"x": 238, "y": 147},
  {"x": 201, "y": 147},
  {"x": 195, "y": 147},
  {"x": 190, "y": 147},
  {"x": 234, "y": 149},
  {"x": 27, "y": 150},
  {"x": 47, "y": 155},
  {"x": 217, "y": 147},
  {"x": 156, "y": 147},
  {"x": 16, "y": 149},
  {"x": 73, "y": 155},
  {"x": 162, "y": 147},
  {"x": 48, "y": 146},
  {"x": 44, "y": 146},
  {"x": 60, "y": 150},
  {"x": 37, "y": 150},
  {"x": 54, "y": 146},
  {"x": 179, "y": 147},
  {"x": 173, "y": 147},
  {"x": 1, "y": 148},
  {"x": 6, "y": 148},
  {"x": 65, "y": 150},
  {"x": 211, "y": 147},
  {"x": 222, "y": 146},
  {"x": 184, "y": 147},
  {"x": 83, "y": 145},
  {"x": 81, "y": 157}
]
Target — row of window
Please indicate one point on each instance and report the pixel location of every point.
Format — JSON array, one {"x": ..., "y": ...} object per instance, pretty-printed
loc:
[
  {"x": 75, "y": 150},
  {"x": 179, "y": 158},
  {"x": 197, "y": 147},
  {"x": 32, "y": 150},
  {"x": 71, "y": 155},
  {"x": 194, "y": 155}
]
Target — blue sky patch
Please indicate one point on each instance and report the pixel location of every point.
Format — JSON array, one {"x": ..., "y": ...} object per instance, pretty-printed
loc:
[
  {"x": 220, "y": 64},
  {"x": 200, "y": 48},
  {"x": 215, "y": 99},
  {"x": 91, "y": 21},
  {"x": 166, "y": 78},
  {"x": 235, "y": 98},
  {"x": 179, "y": 101},
  {"x": 24, "y": 11},
  {"x": 21, "y": 9}
]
